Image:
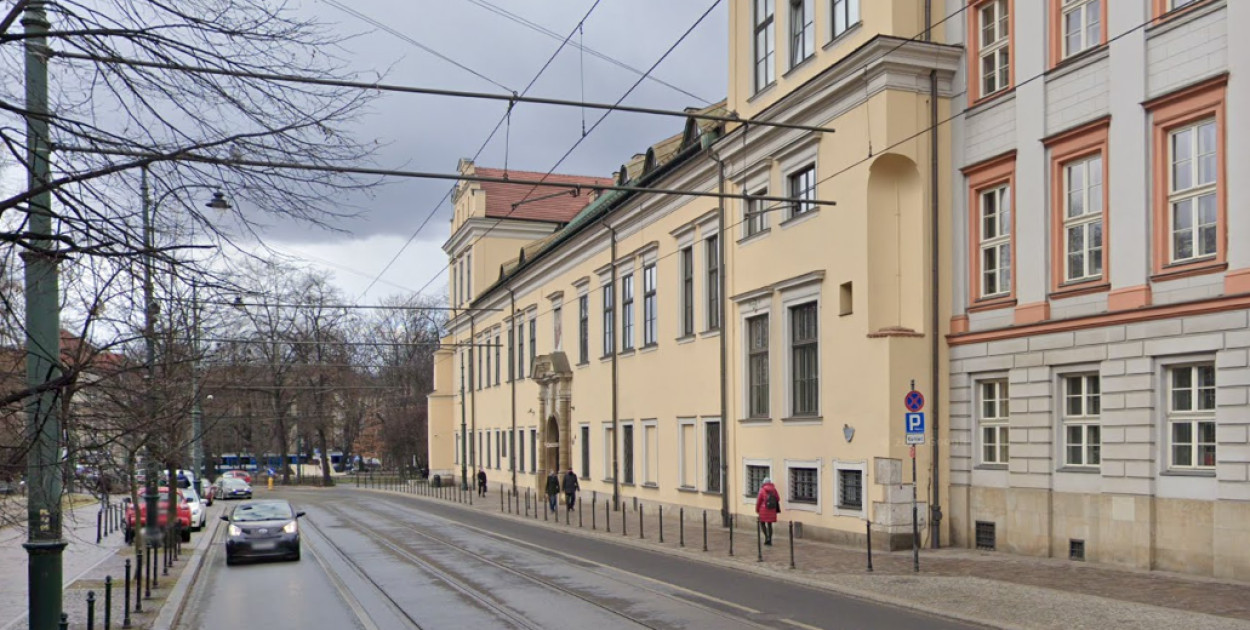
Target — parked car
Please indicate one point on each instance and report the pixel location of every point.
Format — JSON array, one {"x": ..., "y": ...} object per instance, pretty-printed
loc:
[
  {"x": 238, "y": 474},
  {"x": 232, "y": 488},
  {"x": 162, "y": 515},
  {"x": 260, "y": 529},
  {"x": 199, "y": 511}
]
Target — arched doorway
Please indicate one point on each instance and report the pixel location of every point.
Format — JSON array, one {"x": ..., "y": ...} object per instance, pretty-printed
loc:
[{"x": 552, "y": 445}]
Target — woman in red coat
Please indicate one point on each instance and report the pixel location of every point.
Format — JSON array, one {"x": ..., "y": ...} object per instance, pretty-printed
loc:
[{"x": 768, "y": 505}]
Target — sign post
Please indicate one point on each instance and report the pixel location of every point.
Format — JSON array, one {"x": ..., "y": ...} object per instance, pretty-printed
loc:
[{"x": 913, "y": 424}]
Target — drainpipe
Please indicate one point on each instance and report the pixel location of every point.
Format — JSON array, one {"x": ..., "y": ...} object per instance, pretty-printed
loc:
[
  {"x": 616, "y": 477},
  {"x": 724, "y": 342},
  {"x": 512, "y": 387},
  {"x": 472, "y": 392},
  {"x": 935, "y": 507}
]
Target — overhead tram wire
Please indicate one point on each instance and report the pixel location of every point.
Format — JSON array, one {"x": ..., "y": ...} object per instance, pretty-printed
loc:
[
  {"x": 585, "y": 134},
  {"x": 582, "y": 47}
]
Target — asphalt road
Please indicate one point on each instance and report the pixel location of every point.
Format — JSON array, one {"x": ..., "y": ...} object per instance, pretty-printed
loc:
[{"x": 386, "y": 561}]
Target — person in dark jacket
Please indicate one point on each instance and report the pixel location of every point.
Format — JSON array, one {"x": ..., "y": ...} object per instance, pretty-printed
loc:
[
  {"x": 570, "y": 488},
  {"x": 553, "y": 489},
  {"x": 768, "y": 505},
  {"x": 481, "y": 482}
]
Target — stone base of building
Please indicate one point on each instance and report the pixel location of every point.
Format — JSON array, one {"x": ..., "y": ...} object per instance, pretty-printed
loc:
[{"x": 1184, "y": 535}]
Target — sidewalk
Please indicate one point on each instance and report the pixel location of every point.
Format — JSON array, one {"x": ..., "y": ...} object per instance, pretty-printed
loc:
[{"x": 990, "y": 588}]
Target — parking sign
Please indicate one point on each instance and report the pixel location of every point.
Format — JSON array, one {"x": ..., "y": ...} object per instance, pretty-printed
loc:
[{"x": 914, "y": 425}]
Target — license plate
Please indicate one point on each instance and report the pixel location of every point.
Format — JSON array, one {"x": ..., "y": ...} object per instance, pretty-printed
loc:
[{"x": 264, "y": 546}]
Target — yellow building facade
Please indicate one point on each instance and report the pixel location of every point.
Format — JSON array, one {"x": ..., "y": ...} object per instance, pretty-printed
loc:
[{"x": 676, "y": 349}]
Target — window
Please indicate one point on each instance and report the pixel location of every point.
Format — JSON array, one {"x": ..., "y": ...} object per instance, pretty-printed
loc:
[
  {"x": 627, "y": 312},
  {"x": 475, "y": 377},
  {"x": 757, "y": 366},
  {"x": 533, "y": 341},
  {"x": 687, "y": 454},
  {"x": 520, "y": 450},
  {"x": 756, "y": 474},
  {"x": 713, "y": 282},
  {"x": 1191, "y": 417},
  {"x": 756, "y": 218},
  {"x": 650, "y": 453},
  {"x": 1082, "y": 223},
  {"x": 468, "y": 278},
  {"x": 557, "y": 324},
  {"x": 1082, "y": 25},
  {"x": 583, "y": 329},
  {"x": 803, "y": 191},
  {"x": 994, "y": 431},
  {"x": 802, "y": 31},
  {"x": 1082, "y": 435},
  {"x": 585, "y": 451},
  {"x": 500, "y": 451},
  {"x": 486, "y": 353},
  {"x": 498, "y": 365},
  {"x": 850, "y": 489},
  {"x": 995, "y": 214},
  {"x": 1192, "y": 191},
  {"x": 511, "y": 352},
  {"x": 993, "y": 46},
  {"x": 764, "y": 44},
  {"x": 712, "y": 455},
  {"x": 512, "y": 435},
  {"x": 627, "y": 453},
  {"x": 609, "y": 341},
  {"x": 520, "y": 353},
  {"x": 805, "y": 359},
  {"x": 845, "y": 15},
  {"x": 648, "y": 305},
  {"x": 533, "y": 450},
  {"x": 609, "y": 458},
  {"x": 457, "y": 454},
  {"x": 804, "y": 485},
  {"x": 486, "y": 452},
  {"x": 687, "y": 291}
]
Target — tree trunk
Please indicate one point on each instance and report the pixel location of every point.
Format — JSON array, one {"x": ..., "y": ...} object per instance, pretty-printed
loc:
[{"x": 325, "y": 457}]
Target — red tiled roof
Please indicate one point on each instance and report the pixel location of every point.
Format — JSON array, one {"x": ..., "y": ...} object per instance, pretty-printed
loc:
[{"x": 561, "y": 209}]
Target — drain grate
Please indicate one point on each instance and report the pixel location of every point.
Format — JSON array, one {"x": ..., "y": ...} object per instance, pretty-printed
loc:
[{"x": 986, "y": 538}]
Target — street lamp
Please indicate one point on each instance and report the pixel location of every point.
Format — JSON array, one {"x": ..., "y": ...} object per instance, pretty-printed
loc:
[{"x": 151, "y": 496}]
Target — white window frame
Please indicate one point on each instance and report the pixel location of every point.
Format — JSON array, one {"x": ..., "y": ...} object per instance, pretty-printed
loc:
[
  {"x": 791, "y": 297},
  {"x": 712, "y": 298},
  {"x": 1085, "y": 418},
  {"x": 584, "y": 429},
  {"x": 686, "y": 274},
  {"x": 1088, "y": 14},
  {"x": 997, "y": 243},
  {"x": 745, "y": 317},
  {"x": 1000, "y": 424},
  {"x": 755, "y": 215},
  {"x": 628, "y": 314},
  {"x": 764, "y": 22},
  {"x": 843, "y": 16},
  {"x": 1088, "y": 192},
  {"x": 1194, "y": 415},
  {"x": 650, "y": 304},
  {"x": 997, "y": 48},
  {"x": 632, "y": 460},
  {"x": 862, "y": 467},
  {"x": 749, "y": 499},
  {"x": 802, "y": 190},
  {"x": 607, "y": 312},
  {"x": 607, "y": 451},
  {"x": 557, "y": 326},
  {"x": 1193, "y": 195},
  {"x": 682, "y": 423},
  {"x": 802, "y": 40},
  {"x": 533, "y": 449},
  {"x": 788, "y": 502},
  {"x": 458, "y": 438},
  {"x": 647, "y": 455}
]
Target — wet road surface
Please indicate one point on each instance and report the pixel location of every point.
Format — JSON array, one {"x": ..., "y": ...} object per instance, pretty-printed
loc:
[{"x": 386, "y": 561}]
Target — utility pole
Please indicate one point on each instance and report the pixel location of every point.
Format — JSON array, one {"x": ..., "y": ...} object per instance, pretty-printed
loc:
[
  {"x": 44, "y": 544},
  {"x": 150, "y": 495},
  {"x": 197, "y": 413}
]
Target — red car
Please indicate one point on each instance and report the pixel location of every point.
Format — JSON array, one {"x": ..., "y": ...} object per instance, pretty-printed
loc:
[
  {"x": 162, "y": 515},
  {"x": 239, "y": 474}
]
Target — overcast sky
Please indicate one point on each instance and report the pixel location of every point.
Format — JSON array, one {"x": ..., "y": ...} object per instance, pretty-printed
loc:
[{"x": 424, "y": 133}]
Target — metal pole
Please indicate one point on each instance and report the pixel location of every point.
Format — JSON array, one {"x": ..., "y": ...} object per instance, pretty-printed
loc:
[
  {"x": 661, "y": 513},
  {"x": 869, "y": 527},
  {"x": 791, "y": 544},
  {"x": 705, "y": 530},
  {"x": 641, "y": 534},
  {"x": 108, "y": 602},
  {"x": 44, "y": 544},
  {"x": 579, "y": 511},
  {"x": 197, "y": 413},
  {"x": 464, "y": 428},
  {"x": 681, "y": 527},
  {"x": 607, "y": 517},
  {"x": 915, "y": 526},
  {"x": 151, "y": 495},
  {"x": 732, "y": 520},
  {"x": 90, "y": 610},
  {"x": 759, "y": 537}
]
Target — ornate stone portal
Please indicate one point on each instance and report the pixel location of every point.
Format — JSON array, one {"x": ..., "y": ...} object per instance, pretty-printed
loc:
[{"x": 555, "y": 392}]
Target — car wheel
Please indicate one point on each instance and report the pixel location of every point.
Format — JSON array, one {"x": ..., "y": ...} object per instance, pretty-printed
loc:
[
  {"x": 295, "y": 556},
  {"x": 230, "y": 561}
]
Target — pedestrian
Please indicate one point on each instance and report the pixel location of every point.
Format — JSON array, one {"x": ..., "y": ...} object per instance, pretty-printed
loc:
[
  {"x": 768, "y": 506},
  {"x": 570, "y": 488},
  {"x": 553, "y": 489},
  {"x": 481, "y": 482}
]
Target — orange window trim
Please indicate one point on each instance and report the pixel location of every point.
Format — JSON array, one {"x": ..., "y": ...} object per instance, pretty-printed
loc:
[
  {"x": 974, "y": 48},
  {"x": 1169, "y": 112},
  {"x": 1056, "y": 31},
  {"x": 1082, "y": 142},
  {"x": 1161, "y": 12},
  {"x": 981, "y": 176}
]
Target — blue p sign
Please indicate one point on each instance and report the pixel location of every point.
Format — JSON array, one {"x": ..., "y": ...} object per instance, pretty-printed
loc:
[{"x": 915, "y": 422}]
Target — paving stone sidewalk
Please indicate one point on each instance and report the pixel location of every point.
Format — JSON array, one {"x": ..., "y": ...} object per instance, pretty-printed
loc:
[{"x": 991, "y": 588}]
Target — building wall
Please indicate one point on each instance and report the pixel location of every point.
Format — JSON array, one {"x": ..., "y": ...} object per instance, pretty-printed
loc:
[{"x": 1128, "y": 325}]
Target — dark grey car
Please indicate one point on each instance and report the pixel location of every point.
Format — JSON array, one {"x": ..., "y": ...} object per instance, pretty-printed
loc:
[{"x": 262, "y": 529}]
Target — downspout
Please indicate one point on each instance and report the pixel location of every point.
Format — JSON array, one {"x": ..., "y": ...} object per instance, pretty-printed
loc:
[
  {"x": 724, "y": 342},
  {"x": 935, "y": 519},
  {"x": 512, "y": 386},
  {"x": 616, "y": 477},
  {"x": 472, "y": 392}
]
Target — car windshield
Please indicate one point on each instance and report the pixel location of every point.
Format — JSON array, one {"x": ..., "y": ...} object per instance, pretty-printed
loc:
[
  {"x": 231, "y": 482},
  {"x": 263, "y": 512},
  {"x": 189, "y": 495}
]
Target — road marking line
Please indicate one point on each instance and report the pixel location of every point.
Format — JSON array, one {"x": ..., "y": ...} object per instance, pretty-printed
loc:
[{"x": 799, "y": 624}]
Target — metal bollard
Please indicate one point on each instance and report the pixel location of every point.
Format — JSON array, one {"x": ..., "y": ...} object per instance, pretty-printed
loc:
[
  {"x": 705, "y": 530},
  {"x": 733, "y": 518},
  {"x": 607, "y": 516},
  {"x": 661, "y": 524},
  {"x": 108, "y": 602},
  {"x": 90, "y": 610},
  {"x": 147, "y": 573},
  {"x": 544, "y": 510},
  {"x": 759, "y": 545},
  {"x": 640, "y": 528},
  {"x": 681, "y": 527},
  {"x": 509, "y": 503},
  {"x": 99, "y": 522},
  {"x": 594, "y": 498},
  {"x": 138, "y": 605},
  {"x": 791, "y": 544},
  {"x": 579, "y": 511},
  {"x": 64, "y": 625},
  {"x": 868, "y": 525},
  {"x": 624, "y": 529},
  {"x": 568, "y": 512},
  {"x": 501, "y": 497},
  {"x": 527, "y": 503}
]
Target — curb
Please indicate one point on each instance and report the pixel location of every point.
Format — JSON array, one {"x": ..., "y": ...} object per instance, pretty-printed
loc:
[{"x": 171, "y": 609}]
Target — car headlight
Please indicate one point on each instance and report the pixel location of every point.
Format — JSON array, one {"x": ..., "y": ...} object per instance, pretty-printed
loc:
[
  {"x": 235, "y": 530},
  {"x": 290, "y": 528}
]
